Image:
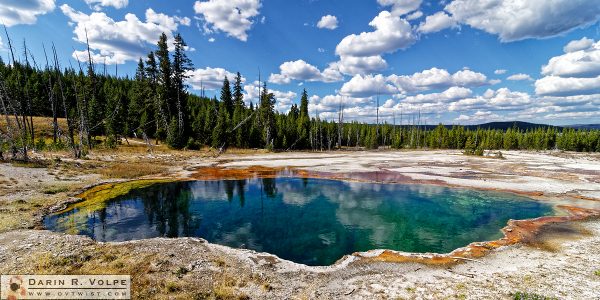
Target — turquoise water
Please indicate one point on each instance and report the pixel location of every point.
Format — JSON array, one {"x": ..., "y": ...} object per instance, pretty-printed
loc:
[{"x": 310, "y": 221}]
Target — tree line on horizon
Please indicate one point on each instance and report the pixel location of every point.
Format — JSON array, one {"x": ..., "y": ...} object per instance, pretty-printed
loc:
[{"x": 100, "y": 109}]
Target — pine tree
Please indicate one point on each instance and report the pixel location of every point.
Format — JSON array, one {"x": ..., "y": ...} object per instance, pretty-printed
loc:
[
  {"x": 470, "y": 146},
  {"x": 153, "y": 101},
  {"x": 266, "y": 115},
  {"x": 137, "y": 98},
  {"x": 254, "y": 133},
  {"x": 219, "y": 134},
  {"x": 303, "y": 127},
  {"x": 238, "y": 91},
  {"x": 115, "y": 122},
  {"x": 212, "y": 110},
  {"x": 167, "y": 95},
  {"x": 240, "y": 133},
  {"x": 164, "y": 78},
  {"x": 239, "y": 116},
  {"x": 226, "y": 97},
  {"x": 291, "y": 126},
  {"x": 181, "y": 66},
  {"x": 95, "y": 102},
  {"x": 174, "y": 139}
]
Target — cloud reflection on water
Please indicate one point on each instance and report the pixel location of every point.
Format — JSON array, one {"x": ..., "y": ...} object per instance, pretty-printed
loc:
[{"x": 313, "y": 221}]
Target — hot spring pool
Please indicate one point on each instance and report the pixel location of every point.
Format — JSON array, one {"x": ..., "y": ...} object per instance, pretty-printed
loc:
[{"x": 309, "y": 221}]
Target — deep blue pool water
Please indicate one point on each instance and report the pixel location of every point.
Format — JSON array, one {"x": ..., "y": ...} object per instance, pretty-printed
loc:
[{"x": 310, "y": 221}]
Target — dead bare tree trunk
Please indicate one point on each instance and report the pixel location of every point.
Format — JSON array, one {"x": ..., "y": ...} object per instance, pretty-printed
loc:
[
  {"x": 9, "y": 126},
  {"x": 147, "y": 141},
  {"x": 162, "y": 116},
  {"x": 82, "y": 108},
  {"x": 349, "y": 137},
  {"x": 76, "y": 152},
  {"x": 52, "y": 100},
  {"x": 16, "y": 109},
  {"x": 91, "y": 74},
  {"x": 29, "y": 106}
]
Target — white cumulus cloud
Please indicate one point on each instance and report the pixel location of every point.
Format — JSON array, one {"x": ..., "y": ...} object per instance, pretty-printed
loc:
[
  {"x": 415, "y": 15},
  {"x": 577, "y": 45},
  {"x": 401, "y": 7},
  {"x": 362, "y": 53},
  {"x": 514, "y": 20},
  {"x": 366, "y": 86},
  {"x": 569, "y": 86},
  {"x": 116, "y": 42},
  {"x": 99, "y": 4},
  {"x": 519, "y": 77},
  {"x": 479, "y": 116},
  {"x": 582, "y": 63},
  {"x": 353, "y": 65},
  {"x": 15, "y": 12},
  {"x": 301, "y": 70},
  {"x": 436, "y": 78},
  {"x": 328, "y": 22},
  {"x": 576, "y": 72},
  {"x": 451, "y": 94},
  {"x": 500, "y": 99},
  {"x": 436, "y": 22},
  {"x": 233, "y": 17},
  {"x": 209, "y": 78},
  {"x": 391, "y": 33}
]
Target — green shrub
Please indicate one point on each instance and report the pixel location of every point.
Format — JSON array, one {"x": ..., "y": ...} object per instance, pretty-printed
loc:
[
  {"x": 175, "y": 139},
  {"x": 40, "y": 145},
  {"x": 478, "y": 151},
  {"x": 59, "y": 145},
  {"x": 110, "y": 142},
  {"x": 51, "y": 190},
  {"x": 192, "y": 144}
]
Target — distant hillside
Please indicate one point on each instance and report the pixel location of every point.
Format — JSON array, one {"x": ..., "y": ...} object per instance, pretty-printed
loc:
[
  {"x": 498, "y": 125},
  {"x": 585, "y": 126},
  {"x": 507, "y": 125}
]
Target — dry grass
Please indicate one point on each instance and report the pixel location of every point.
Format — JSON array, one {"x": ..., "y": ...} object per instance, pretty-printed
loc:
[
  {"x": 55, "y": 189},
  {"x": 148, "y": 282},
  {"x": 23, "y": 198},
  {"x": 31, "y": 164},
  {"x": 42, "y": 125},
  {"x": 102, "y": 260},
  {"x": 530, "y": 296},
  {"x": 241, "y": 151},
  {"x": 225, "y": 286},
  {"x": 22, "y": 213},
  {"x": 128, "y": 147},
  {"x": 131, "y": 170}
]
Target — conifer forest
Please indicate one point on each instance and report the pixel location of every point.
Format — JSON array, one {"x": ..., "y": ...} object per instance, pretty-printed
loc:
[{"x": 156, "y": 105}]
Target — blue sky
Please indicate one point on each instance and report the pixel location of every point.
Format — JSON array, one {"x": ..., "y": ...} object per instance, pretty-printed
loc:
[{"x": 454, "y": 61}]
